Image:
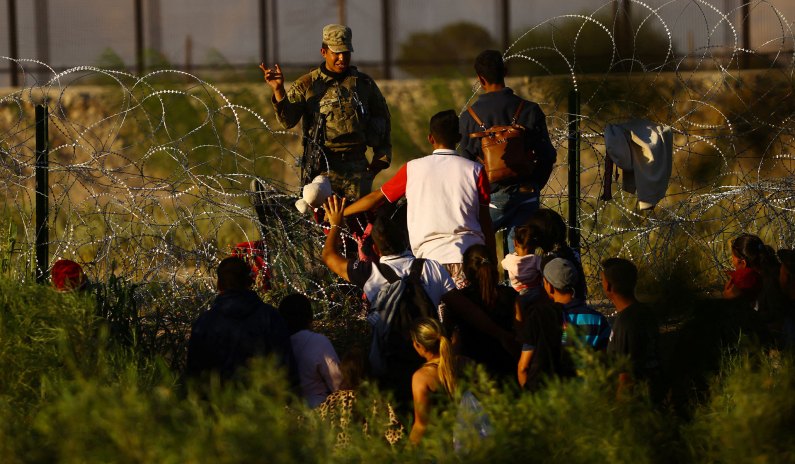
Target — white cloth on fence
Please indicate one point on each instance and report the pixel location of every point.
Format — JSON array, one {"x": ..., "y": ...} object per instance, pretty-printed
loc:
[{"x": 643, "y": 150}]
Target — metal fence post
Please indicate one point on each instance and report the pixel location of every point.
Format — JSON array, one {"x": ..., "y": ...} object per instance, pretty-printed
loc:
[
  {"x": 139, "y": 37},
  {"x": 574, "y": 169},
  {"x": 13, "y": 49},
  {"x": 42, "y": 194}
]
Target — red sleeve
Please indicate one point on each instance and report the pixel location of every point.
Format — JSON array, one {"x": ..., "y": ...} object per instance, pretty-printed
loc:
[
  {"x": 483, "y": 187},
  {"x": 395, "y": 188}
]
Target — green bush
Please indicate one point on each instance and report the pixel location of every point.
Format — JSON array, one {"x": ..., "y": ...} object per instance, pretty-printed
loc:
[
  {"x": 751, "y": 413},
  {"x": 70, "y": 393}
]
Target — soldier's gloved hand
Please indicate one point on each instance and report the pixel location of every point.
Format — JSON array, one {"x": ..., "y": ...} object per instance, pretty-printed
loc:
[{"x": 377, "y": 166}]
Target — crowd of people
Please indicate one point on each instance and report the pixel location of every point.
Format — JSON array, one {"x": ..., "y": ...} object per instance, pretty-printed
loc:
[{"x": 436, "y": 296}]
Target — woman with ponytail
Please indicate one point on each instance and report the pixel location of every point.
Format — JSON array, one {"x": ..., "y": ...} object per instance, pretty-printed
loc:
[
  {"x": 497, "y": 303},
  {"x": 436, "y": 376},
  {"x": 754, "y": 278}
]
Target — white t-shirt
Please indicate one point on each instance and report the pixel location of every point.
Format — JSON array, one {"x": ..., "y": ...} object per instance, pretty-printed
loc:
[
  {"x": 318, "y": 366},
  {"x": 444, "y": 193},
  {"x": 435, "y": 278}
]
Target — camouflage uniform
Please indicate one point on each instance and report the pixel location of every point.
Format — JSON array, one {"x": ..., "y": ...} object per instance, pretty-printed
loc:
[{"x": 355, "y": 116}]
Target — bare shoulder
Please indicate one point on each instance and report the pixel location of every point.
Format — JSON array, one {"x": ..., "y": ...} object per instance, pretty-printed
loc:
[{"x": 426, "y": 376}]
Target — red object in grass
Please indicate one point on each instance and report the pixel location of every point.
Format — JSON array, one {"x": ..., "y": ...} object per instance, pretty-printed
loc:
[{"x": 67, "y": 276}]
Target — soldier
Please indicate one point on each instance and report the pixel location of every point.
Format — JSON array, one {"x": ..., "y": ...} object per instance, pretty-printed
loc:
[{"x": 343, "y": 113}]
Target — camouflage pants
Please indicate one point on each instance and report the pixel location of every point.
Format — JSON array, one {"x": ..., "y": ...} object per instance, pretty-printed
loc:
[{"x": 348, "y": 175}]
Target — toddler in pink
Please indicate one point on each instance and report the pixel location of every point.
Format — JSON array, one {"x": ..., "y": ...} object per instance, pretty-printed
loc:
[{"x": 523, "y": 266}]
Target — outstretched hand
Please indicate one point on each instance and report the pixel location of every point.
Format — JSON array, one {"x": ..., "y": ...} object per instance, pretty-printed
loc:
[
  {"x": 335, "y": 207},
  {"x": 273, "y": 76}
]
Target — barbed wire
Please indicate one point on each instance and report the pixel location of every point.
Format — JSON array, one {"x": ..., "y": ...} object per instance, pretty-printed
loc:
[{"x": 150, "y": 175}]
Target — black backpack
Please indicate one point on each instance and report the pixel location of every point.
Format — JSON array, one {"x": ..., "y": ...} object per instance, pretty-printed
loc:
[{"x": 402, "y": 300}]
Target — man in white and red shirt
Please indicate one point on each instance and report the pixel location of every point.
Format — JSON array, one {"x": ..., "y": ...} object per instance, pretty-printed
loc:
[{"x": 447, "y": 199}]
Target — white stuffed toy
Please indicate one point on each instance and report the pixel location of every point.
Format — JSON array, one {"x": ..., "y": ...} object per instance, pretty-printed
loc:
[{"x": 314, "y": 194}]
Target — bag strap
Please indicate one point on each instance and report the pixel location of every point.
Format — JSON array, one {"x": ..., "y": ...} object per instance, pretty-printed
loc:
[
  {"x": 480, "y": 123},
  {"x": 415, "y": 272},
  {"x": 475, "y": 117},
  {"x": 518, "y": 110},
  {"x": 389, "y": 274}
]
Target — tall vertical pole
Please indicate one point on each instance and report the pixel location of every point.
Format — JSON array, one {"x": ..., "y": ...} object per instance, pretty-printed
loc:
[
  {"x": 263, "y": 31},
  {"x": 40, "y": 8},
  {"x": 746, "y": 19},
  {"x": 622, "y": 13},
  {"x": 574, "y": 169},
  {"x": 275, "y": 30},
  {"x": 386, "y": 28},
  {"x": 13, "y": 48},
  {"x": 42, "y": 194},
  {"x": 342, "y": 12},
  {"x": 505, "y": 23},
  {"x": 139, "y": 37},
  {"x": 154, "y": 26}
]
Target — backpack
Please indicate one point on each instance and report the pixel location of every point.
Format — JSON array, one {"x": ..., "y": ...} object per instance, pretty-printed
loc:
[
  {"x": 402, "y": 300},
  {"x": 504, "y": 154}
]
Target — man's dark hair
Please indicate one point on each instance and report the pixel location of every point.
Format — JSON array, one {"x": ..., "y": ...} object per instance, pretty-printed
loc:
[
  {"x": 296, "y": 310},
  {"x": 444, "y": 128},
  {"x": 234, "y": 274},
  {"x": 388, "y": 236},
  {"x": 622, "y": 276},
  {"x": 490, "y": 66}
]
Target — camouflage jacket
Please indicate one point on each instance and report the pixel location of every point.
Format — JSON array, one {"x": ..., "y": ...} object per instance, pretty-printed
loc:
[{"x": 356, "y": 114}]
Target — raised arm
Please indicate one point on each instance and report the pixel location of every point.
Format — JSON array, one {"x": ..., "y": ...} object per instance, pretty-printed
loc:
[
  {"x": 288, "y": 106},
  {"x": 366, "y": 203},
  {"x": 330, "y": 255}
]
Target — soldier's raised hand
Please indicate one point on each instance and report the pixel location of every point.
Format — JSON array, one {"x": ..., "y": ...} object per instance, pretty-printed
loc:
[{"x": 275, "y": 79}]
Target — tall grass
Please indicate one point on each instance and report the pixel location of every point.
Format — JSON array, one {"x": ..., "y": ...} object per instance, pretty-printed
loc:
[{"x": 71, "y": 391}]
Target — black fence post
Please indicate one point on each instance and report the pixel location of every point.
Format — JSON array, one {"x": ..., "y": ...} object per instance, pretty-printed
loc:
[
  {"x": 138, "y": 12},
  {"x": 13, "y": 49},
  {"x": 386, "y": 36},
  {"x": 42, "y": 194},
  {"x": 574, "y": 169},
  {"x": 263, "y": 32}
]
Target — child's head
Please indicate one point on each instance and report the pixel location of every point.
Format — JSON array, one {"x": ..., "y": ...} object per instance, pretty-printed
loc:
[
  {"x": 523, "y": 241},
  {"x": 548, "y": 230},
  {"x": 749, "y": 251}
]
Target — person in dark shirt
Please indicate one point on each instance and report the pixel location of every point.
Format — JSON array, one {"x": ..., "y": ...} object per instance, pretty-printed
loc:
[
  {"x": 238, "y": 327},
  {"x": 512, "y": 201},
  {"x": 542, "y": 350},
  {"x": 497, "y": 303},
  {"x": 635, "y": 331}
]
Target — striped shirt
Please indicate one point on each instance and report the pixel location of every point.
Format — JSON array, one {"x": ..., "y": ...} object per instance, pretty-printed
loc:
[{"x": 590, "y": 325}]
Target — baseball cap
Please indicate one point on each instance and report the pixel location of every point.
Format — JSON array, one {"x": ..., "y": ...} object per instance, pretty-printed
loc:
[
  {"x": 338, "y": 38},
  {"x": 561, "y": 274}
]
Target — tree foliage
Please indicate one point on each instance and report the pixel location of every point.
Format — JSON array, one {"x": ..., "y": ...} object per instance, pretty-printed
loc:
[{"x": 446, "y": 52}]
